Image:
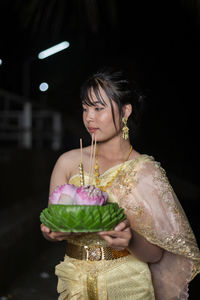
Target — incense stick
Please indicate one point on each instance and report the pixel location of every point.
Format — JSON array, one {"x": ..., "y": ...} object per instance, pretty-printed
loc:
[
  {"x": 81, "y": 173},
  {"x": 90, "y": 163},
  {"x": 81, "y": 148},
  {"x": 94, "y": 157}
]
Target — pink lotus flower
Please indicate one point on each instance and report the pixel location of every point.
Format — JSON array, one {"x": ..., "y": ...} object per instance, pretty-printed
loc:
[
  {"x": 84, "y": 195},
  {"x": 63, "y": 194},
  {"x": 90, "y": 195}
]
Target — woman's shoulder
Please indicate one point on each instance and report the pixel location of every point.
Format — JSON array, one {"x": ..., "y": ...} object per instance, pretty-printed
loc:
[
  {"x": 140, "y": 158},
  {"x": 72, "y": 157},
  {"x": 148, "y": 165},
  {"x": 69, "y": 154},
  {"x": 69, "y": 157},
  {"x": 140, "y": 161}
]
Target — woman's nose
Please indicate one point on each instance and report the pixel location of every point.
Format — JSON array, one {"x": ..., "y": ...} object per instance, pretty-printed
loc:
[{"x": 89, "y": 115}]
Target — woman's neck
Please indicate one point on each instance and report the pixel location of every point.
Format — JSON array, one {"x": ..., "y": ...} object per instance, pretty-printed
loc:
[{"x": 114, "y": 148}]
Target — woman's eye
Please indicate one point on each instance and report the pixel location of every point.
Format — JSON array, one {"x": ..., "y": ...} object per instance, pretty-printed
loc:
[
  {"x": 98, "y": 108},
  {"x": 84, "y": 109}
]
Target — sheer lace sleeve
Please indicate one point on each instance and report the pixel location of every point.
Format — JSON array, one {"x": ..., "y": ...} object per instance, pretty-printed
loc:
[{"x": 154, "y": 211}]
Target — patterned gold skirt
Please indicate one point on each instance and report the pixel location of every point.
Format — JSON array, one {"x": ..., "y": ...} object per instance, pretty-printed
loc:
[{"x": 124, "y": 278}]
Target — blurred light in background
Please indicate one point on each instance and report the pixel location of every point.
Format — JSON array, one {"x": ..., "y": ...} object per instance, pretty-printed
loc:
[
  {"x": 1, "y": 61},
  {"x": 43, "y": 87},
  {"x": 50, "y": 51}
]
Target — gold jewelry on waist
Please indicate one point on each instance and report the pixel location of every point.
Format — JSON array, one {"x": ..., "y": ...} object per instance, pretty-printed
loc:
[{"x": 94, "y": 253}]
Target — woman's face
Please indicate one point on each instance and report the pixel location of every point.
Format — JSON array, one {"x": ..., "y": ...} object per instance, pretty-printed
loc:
[{"x": 98, "y": 119}]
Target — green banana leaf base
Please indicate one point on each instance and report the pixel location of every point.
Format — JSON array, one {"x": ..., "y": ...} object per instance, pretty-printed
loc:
[{"x": 82, "y": 218}]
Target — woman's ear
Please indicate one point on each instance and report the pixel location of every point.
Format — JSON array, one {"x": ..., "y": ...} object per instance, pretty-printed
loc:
[{"x": 127, "y": 110}]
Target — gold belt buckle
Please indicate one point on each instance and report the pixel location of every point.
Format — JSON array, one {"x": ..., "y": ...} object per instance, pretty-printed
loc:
[{"x": 94, "y": 253}]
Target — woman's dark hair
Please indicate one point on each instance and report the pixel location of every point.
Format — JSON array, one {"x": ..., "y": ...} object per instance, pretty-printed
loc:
[{"x": 118, "y": 88}]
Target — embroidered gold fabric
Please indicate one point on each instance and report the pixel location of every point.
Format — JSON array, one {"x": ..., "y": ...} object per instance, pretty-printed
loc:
[
  {"x": 122, "y": 278},
  {"x": 154, "y": 211}
]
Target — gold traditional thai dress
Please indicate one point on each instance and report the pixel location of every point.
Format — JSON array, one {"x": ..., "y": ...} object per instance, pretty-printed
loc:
[{"x": 151, "y": 205}]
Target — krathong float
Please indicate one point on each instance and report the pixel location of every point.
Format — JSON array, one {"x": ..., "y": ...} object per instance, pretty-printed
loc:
[{"x": 83, "y": 208}]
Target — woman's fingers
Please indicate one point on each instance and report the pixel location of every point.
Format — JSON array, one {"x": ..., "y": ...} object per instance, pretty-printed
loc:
[
  {"x": 55, "y": 235},
  {"x": 112, "y": 233},
  {"x": 117, "y": 234},
  {"x": 117, "y": 239},
  {"x": 45, "y": 229},
  {"x": 60, "y": 236},
  {"x": 118, "y": 243},
  {"x": 121, "y": 226}
]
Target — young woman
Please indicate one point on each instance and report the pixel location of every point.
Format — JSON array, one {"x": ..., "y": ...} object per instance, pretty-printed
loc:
[{"x": 153, "y": 253}]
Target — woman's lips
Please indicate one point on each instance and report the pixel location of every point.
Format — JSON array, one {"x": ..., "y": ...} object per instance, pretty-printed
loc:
[{"x": 92, "y": 129}]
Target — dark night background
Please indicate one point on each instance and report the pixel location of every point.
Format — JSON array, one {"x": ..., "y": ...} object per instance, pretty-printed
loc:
[{"x": 156, "y": 42}]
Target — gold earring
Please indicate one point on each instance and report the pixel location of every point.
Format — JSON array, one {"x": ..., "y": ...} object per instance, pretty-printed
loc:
[{"x": 125, "y": 129}]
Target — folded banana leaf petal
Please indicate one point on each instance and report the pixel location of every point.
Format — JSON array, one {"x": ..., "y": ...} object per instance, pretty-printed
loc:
[{"x": 82, "y": 218}]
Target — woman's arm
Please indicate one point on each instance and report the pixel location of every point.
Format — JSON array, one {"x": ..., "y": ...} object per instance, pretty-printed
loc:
[
  {"x": 60, "y": 175},
  {"x": 144, "y": 250},
  {"x": 124, "y": 237},
  {"x": 61, "y": 172}
]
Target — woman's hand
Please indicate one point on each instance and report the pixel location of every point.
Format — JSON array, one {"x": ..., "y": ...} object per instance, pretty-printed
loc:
[
  {"x": 120, "y": 237},
  {"x": 55, "y": 236}
]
